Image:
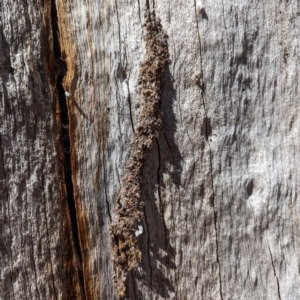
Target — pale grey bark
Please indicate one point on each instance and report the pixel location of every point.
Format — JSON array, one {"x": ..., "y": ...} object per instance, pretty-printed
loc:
[{"x": 220, "y": 183}]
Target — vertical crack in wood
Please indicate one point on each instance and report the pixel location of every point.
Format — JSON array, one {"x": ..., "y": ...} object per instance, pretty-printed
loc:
[
  {"x": 153, "y": 3},
  {"x": 130, "y": 207},
  {"x": 215, "y": 224},
  {"x": 275, "y": 274},
  {"x": 147, "y": 5},
  {"x": 207, "y": 133},
  {"x": 139, "y": 5},
  {"x": 61, "y": 70},
  {"x": 105, "y": 188},
  {"x": 130, "y": 107}
]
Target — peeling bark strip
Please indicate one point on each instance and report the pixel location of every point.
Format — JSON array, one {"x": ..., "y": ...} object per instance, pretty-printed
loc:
[{"x": 126, "y": 253}]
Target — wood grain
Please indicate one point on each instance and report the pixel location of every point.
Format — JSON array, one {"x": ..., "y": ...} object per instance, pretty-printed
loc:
[{"x": 220, "y": 183}]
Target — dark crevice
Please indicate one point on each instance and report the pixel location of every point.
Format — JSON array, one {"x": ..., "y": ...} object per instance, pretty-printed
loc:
[
  {"x": 61, "y": 69},
  {"x": 105, "y": 190},
  {"x": 147, "y": 5},
  {"x": 130, "y": 107}
]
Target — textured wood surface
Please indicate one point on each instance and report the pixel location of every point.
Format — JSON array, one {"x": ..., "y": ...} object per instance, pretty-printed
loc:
[{"x": 220, "y": 183}]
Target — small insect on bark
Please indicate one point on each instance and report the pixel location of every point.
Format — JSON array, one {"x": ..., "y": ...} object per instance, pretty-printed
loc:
[{"x": 67, "y": 94}]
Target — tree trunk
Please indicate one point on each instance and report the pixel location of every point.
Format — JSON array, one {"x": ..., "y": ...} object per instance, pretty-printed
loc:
[{"x": 148, "y": 149}]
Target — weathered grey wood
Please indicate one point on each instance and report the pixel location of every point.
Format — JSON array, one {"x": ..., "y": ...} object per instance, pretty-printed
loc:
[{"x": 220, "y": 182}]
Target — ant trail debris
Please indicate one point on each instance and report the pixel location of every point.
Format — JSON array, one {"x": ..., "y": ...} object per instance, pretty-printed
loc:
[{"x": 124, "y": 236}]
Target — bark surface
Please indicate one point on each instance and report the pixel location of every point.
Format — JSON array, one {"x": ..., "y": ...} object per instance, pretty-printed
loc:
[{"x": 219, "y": 176}]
